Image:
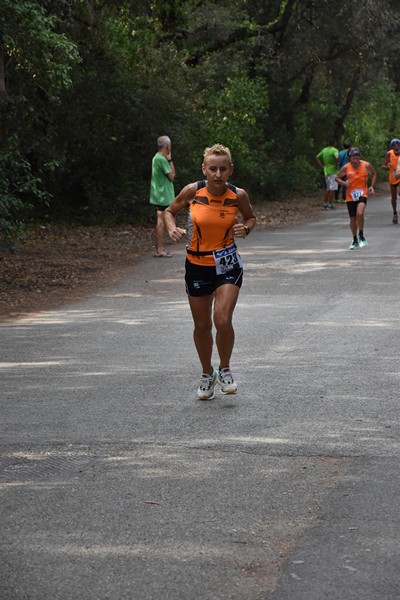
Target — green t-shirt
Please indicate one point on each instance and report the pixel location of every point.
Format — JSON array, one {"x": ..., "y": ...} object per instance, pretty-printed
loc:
[
  {"x": 161, "y": 188},
  {"x": 328, "y": 158}
]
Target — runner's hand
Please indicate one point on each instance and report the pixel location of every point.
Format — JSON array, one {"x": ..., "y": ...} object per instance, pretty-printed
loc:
[
  {"x": 177, "y": 234},
  {"x": 239, "y": 230}
]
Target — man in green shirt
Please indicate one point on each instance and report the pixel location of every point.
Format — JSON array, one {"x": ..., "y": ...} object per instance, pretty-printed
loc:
[
  {"x": 162, "y": 189},
  {"x": 328, "y": 160}
]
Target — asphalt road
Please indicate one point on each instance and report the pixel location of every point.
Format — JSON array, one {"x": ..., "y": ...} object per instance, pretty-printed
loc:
[{"x": 116, "y": 483}]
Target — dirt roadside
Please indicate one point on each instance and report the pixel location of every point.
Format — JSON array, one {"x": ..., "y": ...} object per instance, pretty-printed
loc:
[{"x": 59, "y": 265}]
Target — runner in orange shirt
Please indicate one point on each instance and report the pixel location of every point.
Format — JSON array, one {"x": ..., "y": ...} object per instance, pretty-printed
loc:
[
  {"x": 213, "y": 267},
  {"x": 357, "y": 173},
  {"x": 391, "y": 165}
]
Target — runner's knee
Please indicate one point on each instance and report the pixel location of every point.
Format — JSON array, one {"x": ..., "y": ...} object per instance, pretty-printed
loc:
[{"x": 203, "y": 328}]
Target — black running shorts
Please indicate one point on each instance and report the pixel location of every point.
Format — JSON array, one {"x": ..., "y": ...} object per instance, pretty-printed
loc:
[
  {"x": 352, "y": 205},
  {"x": 203, "y": 281}
]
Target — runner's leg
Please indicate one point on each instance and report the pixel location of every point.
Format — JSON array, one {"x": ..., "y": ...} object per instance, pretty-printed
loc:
[
  {"x": 225, "y": 301},
  {"x": 360, "y": 216},
  {"x": 353, "y": 226},
  {"x": 201, "y": 307},
  {"x": 160, "y": 232}
]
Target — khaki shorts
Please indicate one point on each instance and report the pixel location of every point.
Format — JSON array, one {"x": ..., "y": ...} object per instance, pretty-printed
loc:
[{"x": 331, "y": 183}]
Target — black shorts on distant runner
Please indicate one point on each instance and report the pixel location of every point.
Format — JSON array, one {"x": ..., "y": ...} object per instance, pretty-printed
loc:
[
  {"x": 203, "y": 281},
  {"x": 352, "y": 205}
]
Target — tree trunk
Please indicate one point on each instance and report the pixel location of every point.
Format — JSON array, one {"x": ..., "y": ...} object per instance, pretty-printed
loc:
[
  {"x": 346, "y": 105},
  {"x": 3, "y": 92}
]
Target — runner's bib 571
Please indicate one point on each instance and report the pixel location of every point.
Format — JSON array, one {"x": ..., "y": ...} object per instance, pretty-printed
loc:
[
  {"x": 227, "y": 259},
  {"x": 356, "y": 194}
]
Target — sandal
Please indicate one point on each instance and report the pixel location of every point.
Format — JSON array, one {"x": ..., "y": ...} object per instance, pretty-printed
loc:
[
  {"x": 163, "y": 255},
  {"x": 395, "y": 219}
]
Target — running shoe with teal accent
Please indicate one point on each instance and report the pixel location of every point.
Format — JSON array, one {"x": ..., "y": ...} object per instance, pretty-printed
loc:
[
  {"x": 353, "y": 245},
  {"x": 226, "y": 381},
  {"x": 363, "y": 242},
  {"x": 206, "y": 387}
]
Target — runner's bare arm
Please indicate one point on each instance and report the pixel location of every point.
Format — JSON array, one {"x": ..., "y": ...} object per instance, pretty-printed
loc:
[
  {"x": 386, "y": 164},
  {"x": 340, "y": 175},
  {"x": 177, "y": 205},
  {"x": 246, "y": 210},
  {"x": 372, "y": 173}
]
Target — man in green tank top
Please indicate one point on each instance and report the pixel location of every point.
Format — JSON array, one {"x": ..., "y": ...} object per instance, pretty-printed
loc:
[
  {"x": 327, "y": 159},
  {"x": 162, "y": 189}
]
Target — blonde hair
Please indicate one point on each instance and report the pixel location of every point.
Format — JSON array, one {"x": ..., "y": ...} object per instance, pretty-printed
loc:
[{"x": 219, "y": 150}]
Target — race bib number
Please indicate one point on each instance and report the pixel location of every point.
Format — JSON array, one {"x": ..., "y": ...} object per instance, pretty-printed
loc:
[
  {"x": 356, "y": 194},
  {"x": 227, "y": 259}
]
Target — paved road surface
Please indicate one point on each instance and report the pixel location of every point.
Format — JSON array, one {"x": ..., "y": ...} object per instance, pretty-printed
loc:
[{"x": 116, "y": 483}]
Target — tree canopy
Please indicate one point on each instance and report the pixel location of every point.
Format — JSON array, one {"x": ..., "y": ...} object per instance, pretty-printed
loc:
[{"x": 87, "y": 86}]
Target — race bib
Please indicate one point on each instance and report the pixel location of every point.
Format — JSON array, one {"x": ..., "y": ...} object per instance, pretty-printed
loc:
[
  {"x": 356, "y": 194},
  {"x": 227, "y": 259}
]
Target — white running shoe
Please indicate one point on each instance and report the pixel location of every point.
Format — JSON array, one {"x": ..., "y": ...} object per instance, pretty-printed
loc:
[
  {"x": 362, "y": 242},
  {"x": 206, "y": 387},
  {"x": 226, "y": 381},
  {"x": 353, "y": 245}
]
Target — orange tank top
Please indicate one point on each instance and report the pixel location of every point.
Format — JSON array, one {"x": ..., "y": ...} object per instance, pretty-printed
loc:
[
  {"x": 394, "y": 159},
  {"x": 210, "y": 223},
  {"x": 358, "y": 182}
]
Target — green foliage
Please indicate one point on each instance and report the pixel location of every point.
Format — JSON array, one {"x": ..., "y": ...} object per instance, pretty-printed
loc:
[
  {"x": 368, "y": 123},
  {"x": 17, "y": 186},
  {"x": 106, "y": 156},
  {"x": 29, "y": 39},
  {"x": 91, "y": 85},
  {"x": 38, "y": 62},
  {"x": 231, "y": 116}
]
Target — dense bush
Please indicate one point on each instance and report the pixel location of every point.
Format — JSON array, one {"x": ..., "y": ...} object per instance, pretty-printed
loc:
[{"x": 86, "y": 89}]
